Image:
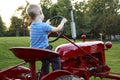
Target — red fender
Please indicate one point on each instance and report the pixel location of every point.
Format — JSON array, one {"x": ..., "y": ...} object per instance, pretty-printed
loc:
[
  {"x": 53, "y": 75},
  {"x": 14, "y": 72}
]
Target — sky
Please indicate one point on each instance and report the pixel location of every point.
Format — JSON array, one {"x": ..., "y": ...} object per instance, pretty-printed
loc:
[{"x": 8, "y": 7}]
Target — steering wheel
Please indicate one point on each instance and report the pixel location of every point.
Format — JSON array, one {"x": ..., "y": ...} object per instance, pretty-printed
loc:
[{"x": 55, "y": 21}]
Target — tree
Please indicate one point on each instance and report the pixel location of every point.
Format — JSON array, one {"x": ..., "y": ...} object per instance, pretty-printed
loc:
[
  {"x": 112, "y": 26},
  {"x": 2, "y": 27},
  {"x": 16, "y": 26},
  {"x": 99, "y": 10},
  {"x": 24, "y": 18},
  {"x": 46, "y": 4},
  {"x": 81, "y": 18},
  {"x": 63, "y": 7},
  {"x": 53, "y": 10}
]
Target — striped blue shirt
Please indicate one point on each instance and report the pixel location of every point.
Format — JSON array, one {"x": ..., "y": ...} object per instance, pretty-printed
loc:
[{"x": 39, "y": 34}]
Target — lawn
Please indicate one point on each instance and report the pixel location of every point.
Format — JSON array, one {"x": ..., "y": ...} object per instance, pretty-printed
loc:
[
  {"x": 113, "y": 57},
  {"x": 8, "y": 59}
]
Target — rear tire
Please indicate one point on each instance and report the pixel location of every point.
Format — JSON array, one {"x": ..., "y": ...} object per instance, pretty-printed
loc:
[{"x": 69, "y": 77}]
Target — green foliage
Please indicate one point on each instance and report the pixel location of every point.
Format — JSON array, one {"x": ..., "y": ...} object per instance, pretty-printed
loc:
[
  {"x": 2, "y": 27},
  {"x": 63, "y": 10},
  {"x": 53, "y": 10},
  {"x": 25, "y": 19},
  {"x": 99, "y": 12},
  {"x": 103, "y": 7},
  {"x": 81, "y": 18},
  {"x": 46, "y": 4},
  {"x": 16, "y": 25},
  {"x": 112, "y": 26},
  {"x": 91, "y": 17}
]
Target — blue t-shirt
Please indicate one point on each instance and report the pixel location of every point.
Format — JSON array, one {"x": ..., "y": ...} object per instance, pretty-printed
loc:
[{"x": 39, "y": 34}]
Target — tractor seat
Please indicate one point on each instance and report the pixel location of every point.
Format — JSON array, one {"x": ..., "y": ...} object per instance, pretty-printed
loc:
[{"x": 27, "y": 53}]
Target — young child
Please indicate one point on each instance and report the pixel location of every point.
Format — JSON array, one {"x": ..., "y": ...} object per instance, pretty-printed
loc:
[{"x": 39, "y": 34}]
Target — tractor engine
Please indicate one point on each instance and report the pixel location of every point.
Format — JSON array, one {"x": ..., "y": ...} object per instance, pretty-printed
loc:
[{"x": 84, "y": 60}]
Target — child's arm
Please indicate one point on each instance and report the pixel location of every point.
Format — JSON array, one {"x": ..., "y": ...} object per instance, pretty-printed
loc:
[{"x": 60, "y": 26}]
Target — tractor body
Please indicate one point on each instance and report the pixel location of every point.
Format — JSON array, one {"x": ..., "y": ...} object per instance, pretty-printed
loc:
[{"x": 85, "y": 62}]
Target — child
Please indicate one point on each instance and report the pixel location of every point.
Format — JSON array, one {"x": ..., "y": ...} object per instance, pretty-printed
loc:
[{"x": 39, "y": 34}]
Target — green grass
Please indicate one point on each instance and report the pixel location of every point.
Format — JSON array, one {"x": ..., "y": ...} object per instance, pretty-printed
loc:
[
  {"x": 6, "y": 56},
  {"x": 8, "y": 59},
  {"x": 113, "y": 57}
]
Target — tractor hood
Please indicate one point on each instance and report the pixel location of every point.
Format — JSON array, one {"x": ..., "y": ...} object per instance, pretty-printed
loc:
[{"x": 69, "y": 50}]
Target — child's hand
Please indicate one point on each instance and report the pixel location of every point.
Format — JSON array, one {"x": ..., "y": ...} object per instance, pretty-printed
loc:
[
  {"x": 48, "y": 21},
  {"x": 64, "y": 20}
]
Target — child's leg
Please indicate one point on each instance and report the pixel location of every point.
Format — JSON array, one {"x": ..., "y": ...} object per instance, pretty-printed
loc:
[
  {"x": 56, "y": 64},
  {"x": 45, "y": 67},
  {"x": 46, "y": 63}
]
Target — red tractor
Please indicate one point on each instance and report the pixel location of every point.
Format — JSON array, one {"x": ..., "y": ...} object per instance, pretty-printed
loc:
[{"x": 79, "y": 60}]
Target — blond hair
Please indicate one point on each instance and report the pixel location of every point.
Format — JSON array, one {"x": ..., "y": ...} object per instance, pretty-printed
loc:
[{"x": 33, "y": 11}]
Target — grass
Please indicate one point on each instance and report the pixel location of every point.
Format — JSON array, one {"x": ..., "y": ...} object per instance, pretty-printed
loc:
[
  {"x": 8, "y": 59},
  {"x": 113, "y": 57}
]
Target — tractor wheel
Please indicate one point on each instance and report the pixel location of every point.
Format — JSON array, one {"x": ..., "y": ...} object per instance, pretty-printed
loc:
[{"x": 69, "y": 77}]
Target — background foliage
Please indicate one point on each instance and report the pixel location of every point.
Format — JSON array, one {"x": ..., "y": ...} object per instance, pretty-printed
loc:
[{"x": 91, "y": 17}]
